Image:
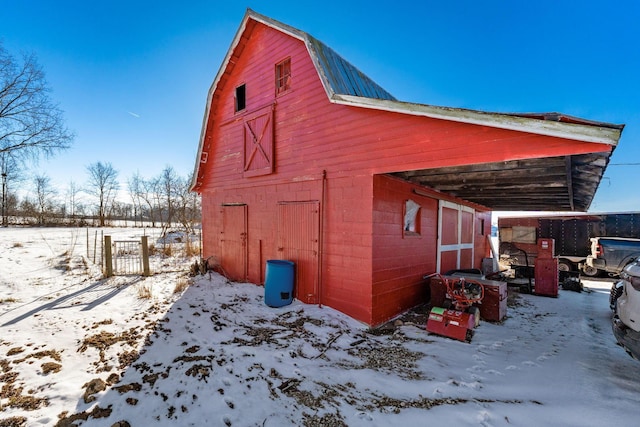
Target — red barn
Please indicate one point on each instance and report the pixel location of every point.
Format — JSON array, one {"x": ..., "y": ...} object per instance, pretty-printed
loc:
[{"x": 303, "y": 157}]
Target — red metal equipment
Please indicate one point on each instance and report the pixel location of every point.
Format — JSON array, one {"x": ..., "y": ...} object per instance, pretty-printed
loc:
[
  {"x": 458, "y": 321},
  {"x": 546, "y": 269},
  {"x": 451, "y": 323}
]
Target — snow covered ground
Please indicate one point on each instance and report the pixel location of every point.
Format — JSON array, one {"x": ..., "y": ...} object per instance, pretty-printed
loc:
[{"x": 76, "y": 349}]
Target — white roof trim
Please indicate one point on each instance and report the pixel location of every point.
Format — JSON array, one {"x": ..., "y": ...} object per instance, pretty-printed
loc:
[{"x": 574, "y": 131}]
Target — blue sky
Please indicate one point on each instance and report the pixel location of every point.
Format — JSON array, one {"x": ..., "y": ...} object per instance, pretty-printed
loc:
[{"x": 132, "y": 76}]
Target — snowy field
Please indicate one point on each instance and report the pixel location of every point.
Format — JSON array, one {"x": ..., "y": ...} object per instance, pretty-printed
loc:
[{"x": 169, "y": 350}]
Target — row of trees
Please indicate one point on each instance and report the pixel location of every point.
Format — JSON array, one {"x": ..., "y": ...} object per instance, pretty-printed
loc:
[
  {"x": 32, "y": 126},
  {"x": 160, "y": 201}
]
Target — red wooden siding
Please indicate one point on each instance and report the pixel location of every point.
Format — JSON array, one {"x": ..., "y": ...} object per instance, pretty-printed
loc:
[
  {"x": 346, "y": 273},
  {"x": 399, "y": 261},
  {"x": 298, "y": 241},
  {"x": 308, "y": 127},
  {"x": 299, "y": 147}
]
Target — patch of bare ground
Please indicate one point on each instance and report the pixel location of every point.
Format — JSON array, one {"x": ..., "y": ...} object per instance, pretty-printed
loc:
[
  {"x": 54, "y": 354},
  {"x": 391, "y": 405},
  {"x": 392, "y": 359},
  {"x": 50, "y": 367},
  {"x": 126, "y": 358},
  {"x": 103, "y": 340},
  {"x": 13, "y": 422},
  {"x": 326, "y": 420},
  {"x": 14, "y": 351},
  {"x": 128, "y": 387},
  {"x": 14, "y": 392},
  {"x": 70, "y": 421}
]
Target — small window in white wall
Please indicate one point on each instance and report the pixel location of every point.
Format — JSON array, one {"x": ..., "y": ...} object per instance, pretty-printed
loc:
[{"x": 411, "y": 218}]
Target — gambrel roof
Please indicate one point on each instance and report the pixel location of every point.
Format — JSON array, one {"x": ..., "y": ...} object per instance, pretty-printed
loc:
[{"x": 571, "y": 186}]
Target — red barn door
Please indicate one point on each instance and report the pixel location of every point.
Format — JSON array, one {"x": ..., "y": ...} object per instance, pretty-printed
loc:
[
  {"x": 233, "y": 241},
  {"x": 298, "y": 231},
  {"x": 258, "y": 142},
  {"x": 455, "y": 236}
]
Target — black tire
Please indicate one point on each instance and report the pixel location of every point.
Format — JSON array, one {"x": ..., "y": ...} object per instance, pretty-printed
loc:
[
  {"x": 468, "y": 335},
  {"x": 564, "y": 265},
  {"x": 590, "y": 271}
]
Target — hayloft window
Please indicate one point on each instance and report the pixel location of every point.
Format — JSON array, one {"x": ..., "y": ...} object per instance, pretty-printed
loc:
[
  {"x": 283, "y": 76},
  {"x": 411, "y": 218},
  {"x": 241, "y": 98}
]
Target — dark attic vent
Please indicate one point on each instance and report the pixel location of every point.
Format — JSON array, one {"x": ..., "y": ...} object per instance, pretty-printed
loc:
[{"x": 241, "y": 98}]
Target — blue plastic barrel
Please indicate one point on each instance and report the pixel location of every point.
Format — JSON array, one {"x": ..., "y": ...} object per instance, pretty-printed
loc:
[{"x": 278, "y": 284}]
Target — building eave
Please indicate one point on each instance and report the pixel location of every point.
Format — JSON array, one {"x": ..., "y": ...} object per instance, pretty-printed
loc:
[{"x": 572, "y": 131}]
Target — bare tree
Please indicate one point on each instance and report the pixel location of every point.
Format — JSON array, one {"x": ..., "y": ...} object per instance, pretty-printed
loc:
[
  {"x": 44, "y": 197},
  {"x": 135, "y": 185},
  {"x": 72, "y": 193},
  {"x": 168, "y": 185},
  {"x": 188, "y": 204},
  {"x": 8, "y": 174},
  {"x": 28, "y": 209},
  {"x": 103, "y": 184},
  {"x": 30, "y": 123},
  {"x": 149, "y": 194}
]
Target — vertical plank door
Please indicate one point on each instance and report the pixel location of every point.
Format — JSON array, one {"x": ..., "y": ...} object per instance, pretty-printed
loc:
[
  {"x": 233, "y": 241},
  {"x": 298, "y": 241}
]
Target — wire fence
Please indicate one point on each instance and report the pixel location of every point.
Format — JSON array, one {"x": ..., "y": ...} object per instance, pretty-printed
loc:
[{"x": 95, "y": 247}]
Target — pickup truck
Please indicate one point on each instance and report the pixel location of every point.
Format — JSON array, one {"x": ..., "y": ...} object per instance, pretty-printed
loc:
[{"x": 613, "y": 254}]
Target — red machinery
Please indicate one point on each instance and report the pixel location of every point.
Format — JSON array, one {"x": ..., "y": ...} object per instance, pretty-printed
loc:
[{"x": 458, "y": 320}]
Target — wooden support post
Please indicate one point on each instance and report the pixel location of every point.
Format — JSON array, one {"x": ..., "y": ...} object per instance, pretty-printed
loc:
[
  {"x": 108, "y": 258},
  {"x": 145, "y": 256}
]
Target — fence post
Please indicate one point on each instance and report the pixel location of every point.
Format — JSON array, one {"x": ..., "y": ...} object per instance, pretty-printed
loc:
[
  {"x": 108, "y": 258},
  {"x": 145, "y": 256},
  {"x": 95, "y": 242}
]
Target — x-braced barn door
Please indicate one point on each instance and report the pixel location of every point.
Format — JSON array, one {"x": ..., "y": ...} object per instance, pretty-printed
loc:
[
  {"x": 298, "y": 241},
  {"x": 455, "y": 236},
  {"x": 258, "y": 142},
  {"x": 233, "y": 241}
]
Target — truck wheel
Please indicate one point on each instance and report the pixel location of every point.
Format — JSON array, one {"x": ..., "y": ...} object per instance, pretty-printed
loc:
[
  {"x": 589, "y": 271},
  {"x": 564, "y": 265}
]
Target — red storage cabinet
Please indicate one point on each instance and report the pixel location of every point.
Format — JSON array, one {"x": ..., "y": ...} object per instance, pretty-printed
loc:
[
  {"x": 494, "y": 303},
  {"x": 546, "y": 269}
]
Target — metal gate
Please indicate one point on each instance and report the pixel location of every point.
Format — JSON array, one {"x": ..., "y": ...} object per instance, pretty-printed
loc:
[{"x": 126, "y": 257}]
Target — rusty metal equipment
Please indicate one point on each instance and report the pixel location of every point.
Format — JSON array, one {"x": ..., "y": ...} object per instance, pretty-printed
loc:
[{"x": 458, "y": 319}]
